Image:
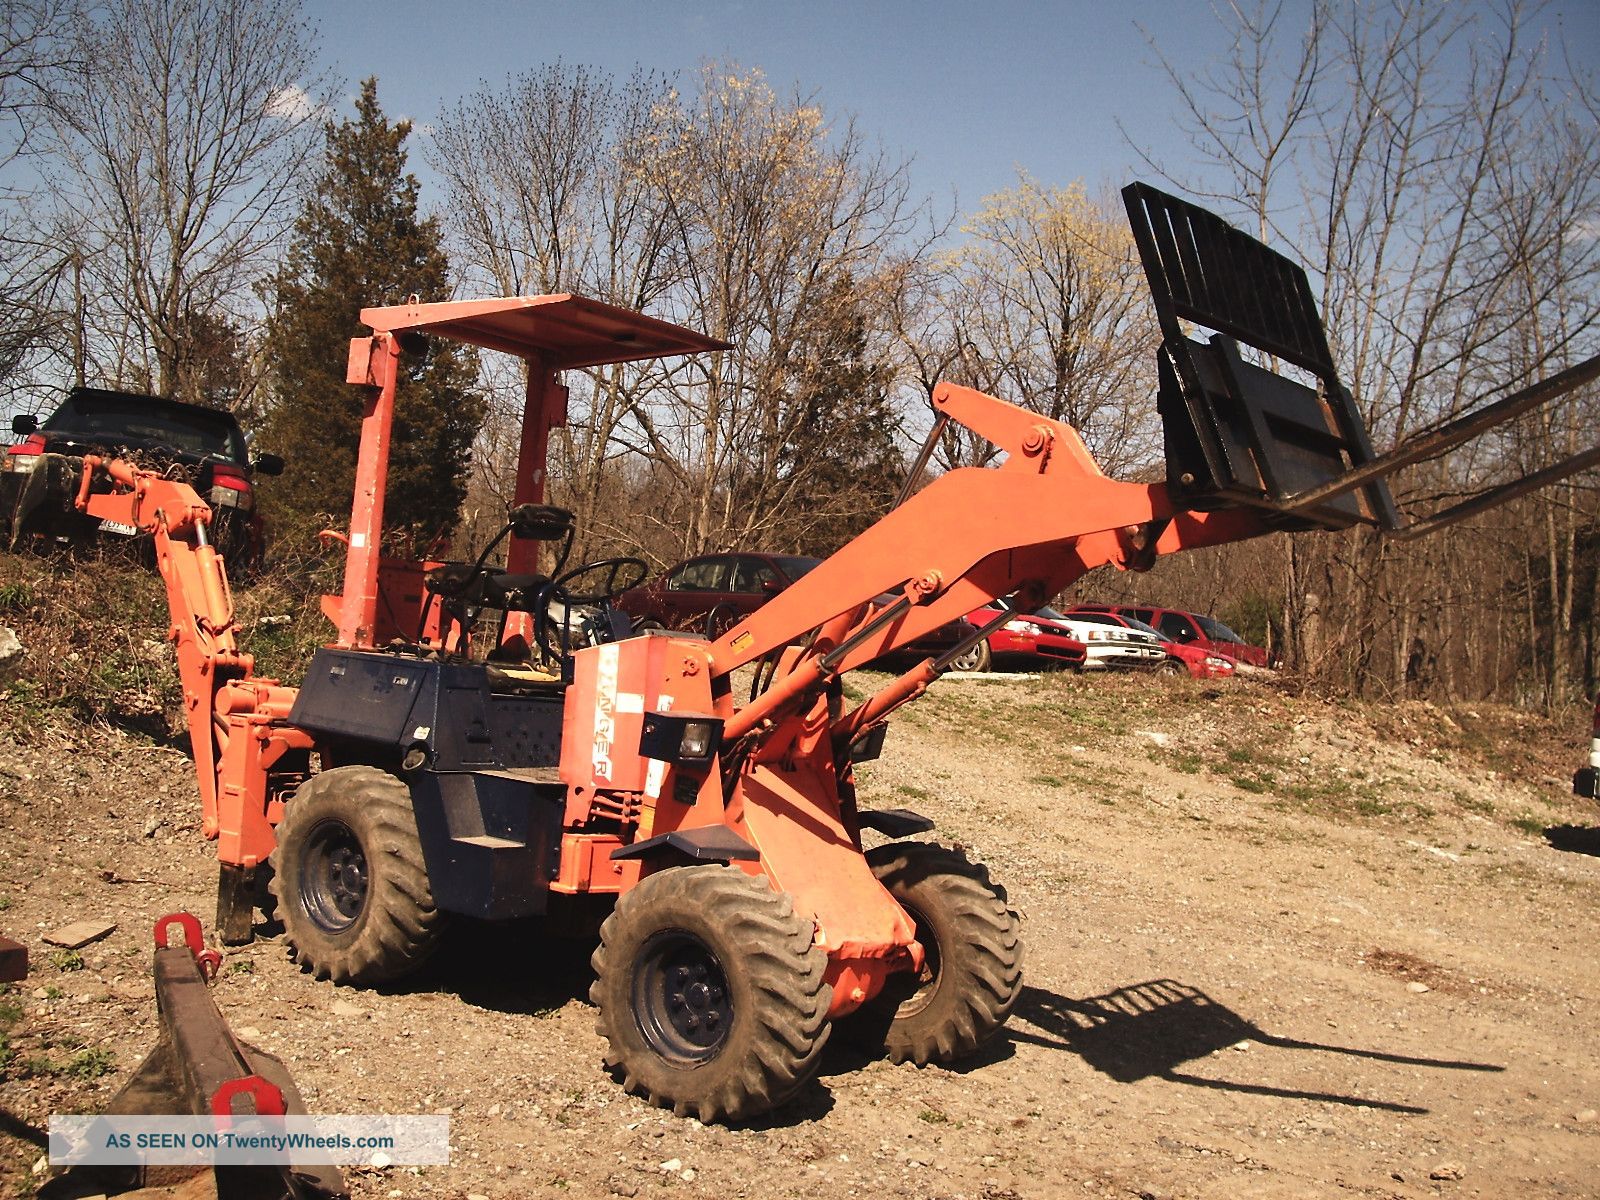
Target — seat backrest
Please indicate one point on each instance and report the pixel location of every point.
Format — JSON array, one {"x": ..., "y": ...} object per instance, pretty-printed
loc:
[{"x": 1237, "y": 432}]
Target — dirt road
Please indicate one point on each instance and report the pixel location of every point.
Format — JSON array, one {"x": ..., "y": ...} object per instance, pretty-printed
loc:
[{"x": 1275, "y": 947}]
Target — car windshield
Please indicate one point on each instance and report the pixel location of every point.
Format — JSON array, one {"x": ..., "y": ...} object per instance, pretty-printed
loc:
[
  {"x": 1095, "y": 618},
  {"x": 1135, "y": 623},
  {"x": 1217, "y": 631},
  {"x": 795, "y": 565},
  {"x": 110, "y": 418},
  {"x": 1044, "y": 610}
]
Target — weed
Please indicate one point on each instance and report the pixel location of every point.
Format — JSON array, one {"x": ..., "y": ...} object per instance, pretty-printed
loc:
[
  {"x": 5, "y": 903},
  {"x": 52, "y": 992},
  {"x": 15, "y": 596},
  {"x": 1256, "y": 784},
  {"x": 67, "y": 960},
  {"x": 1053, "y": 781},
  {"x": 916, "y": 793},
  {"x": 10, "y": 1014},
  {"x": 933, "y": 1116},
  {"x": 1532, "y": 826},
  {"x": 243, "y": 966},
  {"x": 85, "y": 1064},
  {"x": 1188, "y": 762}
]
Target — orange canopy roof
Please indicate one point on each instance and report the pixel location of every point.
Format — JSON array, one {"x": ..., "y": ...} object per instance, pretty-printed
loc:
[{"x": 565, "y": 330}]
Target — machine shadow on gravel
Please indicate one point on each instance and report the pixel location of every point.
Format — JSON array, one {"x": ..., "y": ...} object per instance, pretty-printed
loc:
[
  {"x": 1150, "y": 1029},
  {"x": 507, "y": 967},
  {"x": 1574, "y": 839}
]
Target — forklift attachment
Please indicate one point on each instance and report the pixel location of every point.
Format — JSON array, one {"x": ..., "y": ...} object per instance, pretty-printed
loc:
[{"x": 1238, "y": 433}]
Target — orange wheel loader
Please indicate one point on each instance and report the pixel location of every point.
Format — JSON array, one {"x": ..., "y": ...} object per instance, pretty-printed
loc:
[{"x": 566, "y": 770}]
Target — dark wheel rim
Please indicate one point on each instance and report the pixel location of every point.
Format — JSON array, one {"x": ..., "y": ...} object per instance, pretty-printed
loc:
[
  {"x": 680, "y": 998},
  {"x": 919, "y": 989},
  {"x": 334, "y": 878}
]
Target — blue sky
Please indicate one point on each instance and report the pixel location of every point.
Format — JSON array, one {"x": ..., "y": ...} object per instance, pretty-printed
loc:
[{"x": 969, "y": 92}]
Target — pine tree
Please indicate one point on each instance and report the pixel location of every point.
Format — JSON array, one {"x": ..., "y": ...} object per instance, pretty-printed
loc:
[{"x": 360, "y": 242}]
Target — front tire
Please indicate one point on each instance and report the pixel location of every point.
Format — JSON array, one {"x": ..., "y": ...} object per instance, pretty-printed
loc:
[
  {"x": 349, "y": 879},
  {"x": 972, "y": 974},
  {"x": 711, "y": 993},
  {"x": 978, "y": 658}
]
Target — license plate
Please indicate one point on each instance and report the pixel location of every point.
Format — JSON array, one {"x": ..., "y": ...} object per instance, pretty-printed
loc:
[{"x": 118, "y": 527}]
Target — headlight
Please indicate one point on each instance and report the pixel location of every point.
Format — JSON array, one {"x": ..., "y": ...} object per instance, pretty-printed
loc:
[
  {"x": 695, "y": 740},
  {"x": 680, "y": 737},
  {"x": 1219, "y": 664},
  {"x": 1021, "y": 627}
]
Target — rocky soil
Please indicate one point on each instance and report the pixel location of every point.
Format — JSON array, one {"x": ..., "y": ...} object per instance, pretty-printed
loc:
[{"x": 1276, "y": 947}]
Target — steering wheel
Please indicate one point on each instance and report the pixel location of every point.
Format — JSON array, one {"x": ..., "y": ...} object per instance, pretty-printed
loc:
[
  {"x": 619, "y": 575},
  {"x": 611, "y": 577}
]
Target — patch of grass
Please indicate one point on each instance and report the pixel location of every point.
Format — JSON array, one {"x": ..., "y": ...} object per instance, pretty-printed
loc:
[
  {"x": 5, "y": 903},
  {"x": 1054, "y": 781},
  {"x": 916, "y": 793},
  {"x": 1188, "y": 761},
  {"x": 10, "y": 1014},
  {"x": 85, "y": 1064},
  {"x": 1259, "y": 785},
  {"x": 52, "y": 992},
  {"x": 243, "y": 966},
  {"x": 67, "y": 960},
  {"x": 933, "y": 1116},
  {"x": 16, "y": 596},
  {"x": 1532, "y": 826}
]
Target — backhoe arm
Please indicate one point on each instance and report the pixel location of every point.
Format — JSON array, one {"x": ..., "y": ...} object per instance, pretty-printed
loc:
[{"x": 236, "y": 721}]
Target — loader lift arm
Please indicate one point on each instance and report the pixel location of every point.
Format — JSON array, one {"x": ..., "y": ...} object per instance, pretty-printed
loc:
[{"x": 1249, "y": 451}]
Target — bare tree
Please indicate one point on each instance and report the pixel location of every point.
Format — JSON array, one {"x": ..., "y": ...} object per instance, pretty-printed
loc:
[
  {"x": 549, "y": 193},
  {"x": 181, "y": 135},
  {"x": 1440, "y": 170},
  {"x": 731, "y": 210},
  {"x": 781, "y": 224},
  {"x": 1047, "y": 293},
  {"x": 34, "y": 52}
]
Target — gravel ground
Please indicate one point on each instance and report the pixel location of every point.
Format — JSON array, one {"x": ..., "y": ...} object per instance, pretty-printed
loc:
[{"x": 1275, "y": 947}]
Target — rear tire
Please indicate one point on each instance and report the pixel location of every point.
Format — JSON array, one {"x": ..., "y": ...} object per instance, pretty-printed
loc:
[
  {"x": 711, "y": 994},
  {"x": 350, "y": 883},
  {"x": 972, "y": 974}
]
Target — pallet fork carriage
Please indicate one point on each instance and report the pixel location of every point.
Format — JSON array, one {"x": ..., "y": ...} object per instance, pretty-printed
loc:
[{"x": 408, "y": 778}]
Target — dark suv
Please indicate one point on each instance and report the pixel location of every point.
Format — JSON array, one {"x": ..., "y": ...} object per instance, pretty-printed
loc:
[{"x": 39, "y": 476}]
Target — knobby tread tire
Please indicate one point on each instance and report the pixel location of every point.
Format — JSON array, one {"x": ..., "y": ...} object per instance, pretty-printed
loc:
[
  {"x": 776, "y": 983},
  {"x": 398, "y": 928},
  {"x": 977, "y": 940}
]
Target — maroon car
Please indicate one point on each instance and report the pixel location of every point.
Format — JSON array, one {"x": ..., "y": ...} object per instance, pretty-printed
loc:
[{"x": 712, "y": 592}]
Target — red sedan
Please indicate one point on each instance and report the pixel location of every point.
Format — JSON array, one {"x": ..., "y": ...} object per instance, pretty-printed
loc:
[{"x": 1029, "y": 635}]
